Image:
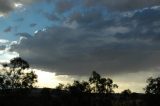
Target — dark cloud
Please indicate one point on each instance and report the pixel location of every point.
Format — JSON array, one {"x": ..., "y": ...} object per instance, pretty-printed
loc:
[
  {"x": 64, "y": 5},
  {"x": 145, "y": 24},
  {"x": 89, "y": 19},
  {"x": 77, "y": 51},
  {"x": 33, "y": 25},
  {"x": 50, "y": 16},
  {"x": 6, "y": 6},
  {"x": 128, "y": 43},
  {"x": 8, "y": 29},
  {"x": 113, "y": 5},
  {"x": 123, "y": 5},
  {"x": 24, "y": 34},
  {"x": 9, "y": 5},
  {"x": 69, "y": 51}
]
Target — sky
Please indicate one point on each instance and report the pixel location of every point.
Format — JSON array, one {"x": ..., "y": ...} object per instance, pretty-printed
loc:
[{"x": 64, "y": 40}]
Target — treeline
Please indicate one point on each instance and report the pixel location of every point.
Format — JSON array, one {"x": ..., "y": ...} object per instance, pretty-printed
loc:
[
  {"x": 13, "y": 76},
  {"x": 95, "y": 84},
  {"x": 17, "y": 82}
]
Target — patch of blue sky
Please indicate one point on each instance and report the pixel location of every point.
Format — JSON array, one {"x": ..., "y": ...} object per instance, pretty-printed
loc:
[
  {"x": 6, "y": 22},
  {"x": 31, "y": 14}
]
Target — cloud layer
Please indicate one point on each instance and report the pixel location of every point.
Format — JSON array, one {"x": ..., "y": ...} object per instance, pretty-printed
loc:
[
  {"x": 63, "y": 5},
  {"x": 123, "y": 5},
  {"x": 86, "y": 42},
  {"x": 7, "y": 6}
]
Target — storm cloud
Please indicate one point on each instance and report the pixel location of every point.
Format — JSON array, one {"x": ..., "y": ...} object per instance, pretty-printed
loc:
[{"x": 127, "y": 44}]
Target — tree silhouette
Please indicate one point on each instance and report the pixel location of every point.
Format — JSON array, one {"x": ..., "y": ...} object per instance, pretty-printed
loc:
[
  {"x": 15, "y": 75},
  {"x": 101, "y": 85},
  {"x": 126, "y": 92},
  {"x": 96, "y": 84},
  {"x": 153, "y": 86},
  {"x": 60, "y": 86},
  {"x": 78, "y": 87}
]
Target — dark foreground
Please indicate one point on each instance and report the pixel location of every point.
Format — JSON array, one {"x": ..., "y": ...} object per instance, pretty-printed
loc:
[{"x": 60, "y": 98}]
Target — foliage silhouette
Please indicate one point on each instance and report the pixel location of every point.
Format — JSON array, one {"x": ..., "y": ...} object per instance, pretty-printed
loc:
[
  {"x": 60, "y": 87},
  {"x": 78, "y": 87},
  {"x": 101, "y": 85},
  {"x": 96, "y": 84},
  {"x": 15, "y": 75},
  {"x": 153, "y": 86},
  {"x": 97, "y": 91},
  {"x": 126, "y": 92}
]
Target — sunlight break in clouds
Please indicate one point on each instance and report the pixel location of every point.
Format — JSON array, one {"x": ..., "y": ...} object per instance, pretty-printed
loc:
[
  {"x": 46, "y": 79},
  {"x": 51, "y": 80},
  {"x": 18, "y": 5}
]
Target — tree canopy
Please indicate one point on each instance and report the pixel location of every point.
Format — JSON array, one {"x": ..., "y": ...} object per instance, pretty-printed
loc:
[
  {"x": 96, "y": 84},
  {"x": 101, "y": 85},
  {"x": 15, "y": 74},
  {"x": 153, "y": 86},
  {"x": 126, "y": 92}
]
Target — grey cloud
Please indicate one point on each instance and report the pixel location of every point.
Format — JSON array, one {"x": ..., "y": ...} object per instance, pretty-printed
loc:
[
  {"x": 64, "y": 5},
  {"x": 50, "y": 16},
  {"x": 118, "y": 46},
  {"x": 143, "y": 24},
  {"x": 33, "y": 25},
  {"x": 24, "y": 34},
  {"x": 8, "y": 29},
  {"x": 89, "y": 19},
  {"x": 27, "y": 1},
  {"x": 123, "y": 5},
  {"x": 6, "y": 6}
]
